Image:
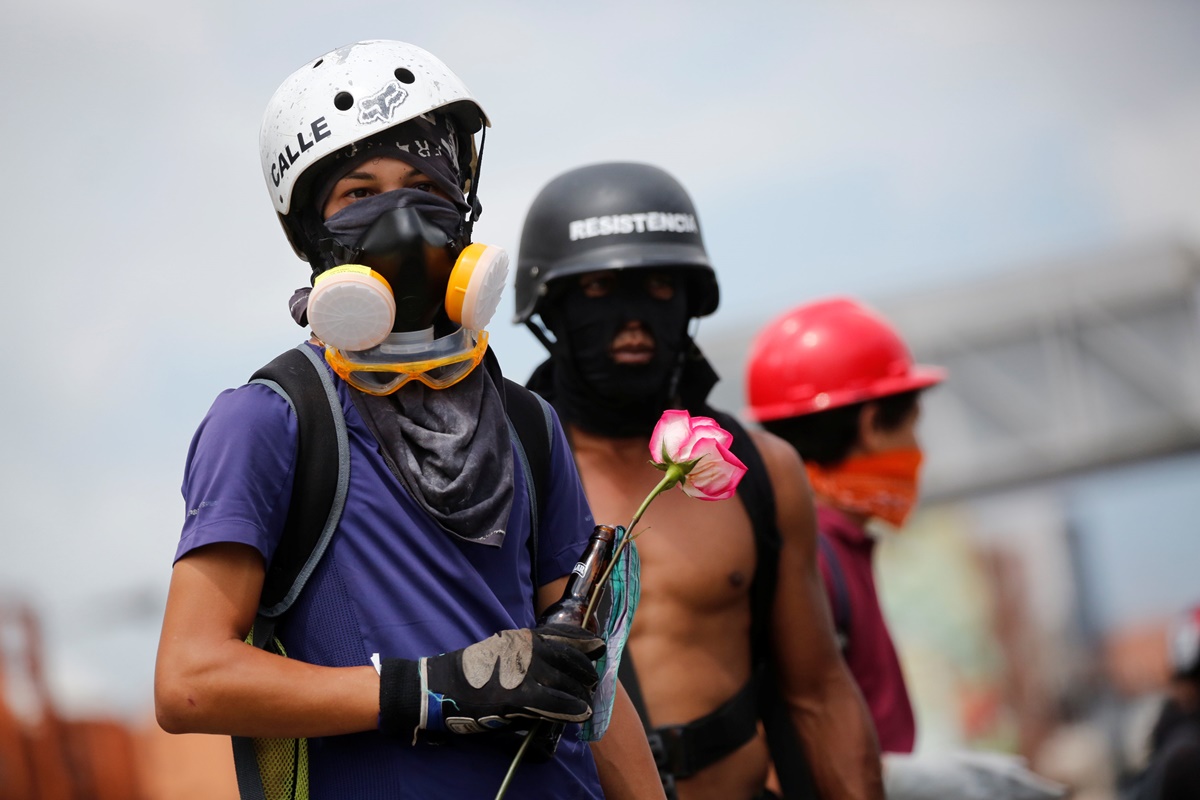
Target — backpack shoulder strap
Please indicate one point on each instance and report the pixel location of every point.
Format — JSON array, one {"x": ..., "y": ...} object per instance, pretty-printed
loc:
[
  {"x": 319, "y": 487},
  {"x": 758, "y": 497},
  {"x": 322, "y": 474},
  {"x": 531, "y": 426},
  {"x": 841, "y": 592}
]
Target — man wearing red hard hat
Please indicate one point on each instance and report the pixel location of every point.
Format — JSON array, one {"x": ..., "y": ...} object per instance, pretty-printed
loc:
[{"x": 834, "y": 378}]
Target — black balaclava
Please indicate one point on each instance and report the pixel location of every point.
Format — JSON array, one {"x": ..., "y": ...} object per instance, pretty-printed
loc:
[{"x": 587, "y": 386}]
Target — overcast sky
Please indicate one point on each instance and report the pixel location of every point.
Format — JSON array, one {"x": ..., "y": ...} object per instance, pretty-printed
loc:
[{"x": 859, "y": 147}]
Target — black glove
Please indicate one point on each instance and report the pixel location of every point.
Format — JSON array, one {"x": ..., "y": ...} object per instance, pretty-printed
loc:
[{"x": 544, "y": 673}]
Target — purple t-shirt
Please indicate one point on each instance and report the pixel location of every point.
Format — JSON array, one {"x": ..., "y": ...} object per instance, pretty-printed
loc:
[{"x": 392, "y": 582}]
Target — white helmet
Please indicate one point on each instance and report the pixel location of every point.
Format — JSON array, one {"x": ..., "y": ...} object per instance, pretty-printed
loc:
[{"x": 346, "y": 96}]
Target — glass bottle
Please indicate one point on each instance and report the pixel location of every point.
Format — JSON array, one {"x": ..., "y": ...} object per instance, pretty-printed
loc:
[
  {"x": 581, "y": 584},
  {"x": 570, "y": 610}
]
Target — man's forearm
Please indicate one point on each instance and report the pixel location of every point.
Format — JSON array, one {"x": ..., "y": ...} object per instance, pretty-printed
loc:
[
  {"x": 839, "y": 740},
  {"x": 623, "y": 757}
]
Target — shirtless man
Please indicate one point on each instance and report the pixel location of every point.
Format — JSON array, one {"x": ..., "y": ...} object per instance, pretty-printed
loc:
[{"x": 613, "y": 265}]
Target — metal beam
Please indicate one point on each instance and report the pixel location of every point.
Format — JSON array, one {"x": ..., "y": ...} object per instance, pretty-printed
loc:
[{"x": 1054, "y": 370}]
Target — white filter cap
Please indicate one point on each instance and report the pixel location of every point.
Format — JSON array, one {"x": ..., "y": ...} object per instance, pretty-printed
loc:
[{"x": 351, "y": 310}]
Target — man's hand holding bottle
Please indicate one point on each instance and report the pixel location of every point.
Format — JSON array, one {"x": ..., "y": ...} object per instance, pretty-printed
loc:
[{"x": 515, "y": 676}]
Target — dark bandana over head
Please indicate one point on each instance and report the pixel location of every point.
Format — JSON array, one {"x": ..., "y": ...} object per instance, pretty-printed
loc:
[{"x": 428, "y": 143}]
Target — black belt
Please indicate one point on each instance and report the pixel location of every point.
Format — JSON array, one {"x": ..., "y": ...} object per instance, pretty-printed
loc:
[{"x": 684, "y": 750}]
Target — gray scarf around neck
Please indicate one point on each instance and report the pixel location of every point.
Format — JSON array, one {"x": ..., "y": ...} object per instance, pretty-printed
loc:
[{"x": 450, "y": 448}]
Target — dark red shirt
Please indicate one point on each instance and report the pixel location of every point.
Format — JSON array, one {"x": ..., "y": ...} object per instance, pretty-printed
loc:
[{"x": 870, "y": 653}]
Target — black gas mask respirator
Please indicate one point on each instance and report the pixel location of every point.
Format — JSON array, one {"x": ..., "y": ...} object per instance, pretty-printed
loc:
[{"x": 415, "y": 257}]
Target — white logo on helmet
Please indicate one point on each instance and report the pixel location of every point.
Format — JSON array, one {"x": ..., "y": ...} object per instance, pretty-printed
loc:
[
  {"x": 382, "y": 105},
  {"x": 647, "y": 221}
]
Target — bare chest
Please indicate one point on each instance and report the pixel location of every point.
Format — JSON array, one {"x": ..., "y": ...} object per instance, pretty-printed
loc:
[{"x": 695, "y": 553}]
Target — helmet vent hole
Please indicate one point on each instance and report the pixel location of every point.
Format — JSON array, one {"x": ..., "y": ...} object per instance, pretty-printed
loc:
[
  {"x": 320, "y": 61},
  {"x": 343, "y": 100},
  {"x": 405, "y": 76}
]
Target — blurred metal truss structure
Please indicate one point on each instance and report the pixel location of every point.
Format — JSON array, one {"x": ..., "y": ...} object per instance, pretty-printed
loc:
[
  {"x": 1053, "y": 370},
  {"x": 1059, "y": 370}
]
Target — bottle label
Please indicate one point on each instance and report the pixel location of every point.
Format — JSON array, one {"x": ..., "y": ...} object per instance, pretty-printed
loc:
[{"x": 580, "y": 569}]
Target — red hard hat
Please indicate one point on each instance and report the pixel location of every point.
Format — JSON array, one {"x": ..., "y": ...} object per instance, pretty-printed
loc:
[{"x": 826, "y": 354}]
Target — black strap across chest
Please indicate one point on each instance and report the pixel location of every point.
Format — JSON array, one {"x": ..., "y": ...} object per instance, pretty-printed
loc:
[
  {"x": 758, "y": 498},
  {"x": 683, "y": 750}
]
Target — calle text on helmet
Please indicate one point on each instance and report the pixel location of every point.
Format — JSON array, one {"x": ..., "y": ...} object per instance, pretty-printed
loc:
[
  {"x": 642, "y": 222},
  {"x": 318, "y": 129}
]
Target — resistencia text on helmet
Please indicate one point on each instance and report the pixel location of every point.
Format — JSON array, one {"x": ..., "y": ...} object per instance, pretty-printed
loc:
[
  {"x": 318, "y": 130},
  {"x": 646, "y": 221}
]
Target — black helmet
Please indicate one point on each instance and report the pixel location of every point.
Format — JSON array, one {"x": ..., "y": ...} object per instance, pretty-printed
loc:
[{"x": 612, "y": 216}]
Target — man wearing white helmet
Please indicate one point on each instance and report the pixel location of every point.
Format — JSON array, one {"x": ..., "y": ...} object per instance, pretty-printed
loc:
[{"x": 356, "y": 587}]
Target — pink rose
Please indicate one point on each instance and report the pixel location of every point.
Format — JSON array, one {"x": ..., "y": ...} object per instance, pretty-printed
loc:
[{"x": 698, "y": 448}]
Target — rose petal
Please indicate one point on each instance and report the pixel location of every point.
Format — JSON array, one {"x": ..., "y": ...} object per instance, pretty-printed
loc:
[
  {"x": 716, "y": 475},
  {"x": 709, "y": 427},
  {"x": 693, "y": 447},
  {"x": 716, "y": 482},
  {"x": 669, "y": 435}
]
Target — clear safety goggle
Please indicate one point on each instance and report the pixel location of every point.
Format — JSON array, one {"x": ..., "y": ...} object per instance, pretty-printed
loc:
[{"x": 438, "y": 363}]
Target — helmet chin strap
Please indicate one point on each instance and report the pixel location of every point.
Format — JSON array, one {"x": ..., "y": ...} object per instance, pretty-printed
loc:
[
  {"x": 475, "y": 208},
  {"x": 681, "y": 359},
  {"x": 539, "y": 332},
  {"x": 313, "y": 234}
]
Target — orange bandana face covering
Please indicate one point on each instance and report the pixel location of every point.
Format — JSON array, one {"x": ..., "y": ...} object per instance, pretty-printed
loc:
[{"x": 883, "y": 485}]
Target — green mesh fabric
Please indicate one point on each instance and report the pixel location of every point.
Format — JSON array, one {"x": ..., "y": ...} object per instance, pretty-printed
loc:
[{"x": 282, "y": 764}]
